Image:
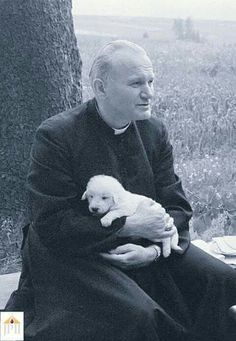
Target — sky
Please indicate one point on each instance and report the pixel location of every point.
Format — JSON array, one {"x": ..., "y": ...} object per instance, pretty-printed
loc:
[{"x": 196, "y": 9}]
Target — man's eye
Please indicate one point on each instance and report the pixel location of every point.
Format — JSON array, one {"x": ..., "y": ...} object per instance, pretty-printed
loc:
[{"x": 134, "y": 84}]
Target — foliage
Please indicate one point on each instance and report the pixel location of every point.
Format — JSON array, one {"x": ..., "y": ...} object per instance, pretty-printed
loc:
[
  {"x": 184, "y": 30},
  {"x": 10, "y": 237}
]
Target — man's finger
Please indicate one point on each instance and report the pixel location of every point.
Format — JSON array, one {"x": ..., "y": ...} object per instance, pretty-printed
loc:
[
  {"x": 165, "y": 234},
  {"x": 123, "y": 249},
  {"x": 166, "y": 247},
  {"x": 108, "y": 256},
  {"x": 118, "y": 260},
  {"x": 115, "y": 257}
]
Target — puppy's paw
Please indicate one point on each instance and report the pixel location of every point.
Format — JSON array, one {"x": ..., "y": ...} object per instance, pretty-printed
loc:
[{"x": 106, "y": 221}]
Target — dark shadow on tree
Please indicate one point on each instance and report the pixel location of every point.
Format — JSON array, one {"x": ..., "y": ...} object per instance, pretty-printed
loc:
[{"x": 40, "y": 75}]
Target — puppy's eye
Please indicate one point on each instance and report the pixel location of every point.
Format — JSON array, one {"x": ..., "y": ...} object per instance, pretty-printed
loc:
[
  {"x": 104, "y": 198},
  {"x": 90, "y": 196}
]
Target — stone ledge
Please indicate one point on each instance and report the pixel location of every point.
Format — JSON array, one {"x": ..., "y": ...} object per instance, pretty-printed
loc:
[{"x": 8, "y": 283}]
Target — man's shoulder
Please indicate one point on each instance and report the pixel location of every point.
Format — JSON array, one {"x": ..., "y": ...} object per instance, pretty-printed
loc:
[
  {"x": 66, "y": 119},
  {"x": 153, "y": 126},
  {"x": 69, "y": 127},
  {"x": 157, "y": 123}
]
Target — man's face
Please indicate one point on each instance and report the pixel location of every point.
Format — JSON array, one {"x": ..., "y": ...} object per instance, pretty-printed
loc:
[{"x": 129, "y": 87}]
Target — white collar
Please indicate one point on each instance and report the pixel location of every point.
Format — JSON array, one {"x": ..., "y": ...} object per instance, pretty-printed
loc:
[
  {"x": 121, "y": 130},
  {"x": 117, "y": 131}
]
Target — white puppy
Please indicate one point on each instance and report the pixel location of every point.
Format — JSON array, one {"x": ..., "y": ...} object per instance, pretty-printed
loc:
[{"x": 107, "y": 196}]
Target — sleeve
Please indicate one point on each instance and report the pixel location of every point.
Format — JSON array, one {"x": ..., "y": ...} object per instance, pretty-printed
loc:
[
  {"x": 170, "y": 192},
  {"x": 57, "y": 214}
]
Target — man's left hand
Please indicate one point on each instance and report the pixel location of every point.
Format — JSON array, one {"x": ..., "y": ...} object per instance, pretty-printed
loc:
[{"x": 130, "y": 256}]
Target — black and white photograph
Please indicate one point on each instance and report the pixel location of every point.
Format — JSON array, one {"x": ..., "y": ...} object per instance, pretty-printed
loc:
[{"x": 118, "y": 170}]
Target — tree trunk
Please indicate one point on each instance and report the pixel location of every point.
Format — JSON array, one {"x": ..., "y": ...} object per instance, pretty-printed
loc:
[{"x": 40, "y": 73}]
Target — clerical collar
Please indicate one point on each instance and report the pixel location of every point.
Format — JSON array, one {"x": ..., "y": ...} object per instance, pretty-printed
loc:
[
  {"x": 121, "y": 130},
  {"x": 117, "y": 131}
]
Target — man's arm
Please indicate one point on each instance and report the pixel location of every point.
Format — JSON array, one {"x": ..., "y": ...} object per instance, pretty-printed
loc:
[
  {"x": 169, "y": 191},
  {"x": 60, "y": 218}
]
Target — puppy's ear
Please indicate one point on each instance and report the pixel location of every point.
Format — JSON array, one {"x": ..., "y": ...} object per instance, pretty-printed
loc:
[
  {"x": 115, "y": 198},
  {"x": 84, "y": 196}
]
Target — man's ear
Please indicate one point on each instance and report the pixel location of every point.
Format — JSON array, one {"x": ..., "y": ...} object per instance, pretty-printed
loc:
[
  {"x": 84, "y": 196},
  {"x": 98, "y": 87}
]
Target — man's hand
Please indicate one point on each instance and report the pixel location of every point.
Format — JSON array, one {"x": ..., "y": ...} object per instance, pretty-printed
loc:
[
  {"x": 131, "y": 256},
  {"x": 148, "y": 222}
]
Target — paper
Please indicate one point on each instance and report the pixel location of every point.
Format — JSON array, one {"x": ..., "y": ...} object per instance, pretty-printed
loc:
[{"x": 224, "y": 245}]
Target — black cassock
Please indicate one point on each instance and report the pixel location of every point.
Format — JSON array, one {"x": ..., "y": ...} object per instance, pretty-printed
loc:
[{"x": 68, "y": 292}]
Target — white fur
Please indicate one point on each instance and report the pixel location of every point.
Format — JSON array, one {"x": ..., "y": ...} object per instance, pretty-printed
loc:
[{"x": 105, "y": 194}]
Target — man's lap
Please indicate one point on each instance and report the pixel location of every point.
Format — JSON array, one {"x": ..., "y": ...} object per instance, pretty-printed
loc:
[
  {"x": 133, "y": 294},
  {"x": 209, "y": 288},
  {"x": 196, "y": 266}
]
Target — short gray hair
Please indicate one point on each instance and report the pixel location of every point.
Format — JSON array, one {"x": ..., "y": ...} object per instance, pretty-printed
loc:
[{"x": 103, "y": 61}]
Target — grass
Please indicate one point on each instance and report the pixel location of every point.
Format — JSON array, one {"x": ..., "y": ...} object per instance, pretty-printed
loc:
[{"x": 10, "y": 236}]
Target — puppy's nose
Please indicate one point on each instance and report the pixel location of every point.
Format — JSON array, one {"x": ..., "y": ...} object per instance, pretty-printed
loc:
[{"x": 94, "y": 209}]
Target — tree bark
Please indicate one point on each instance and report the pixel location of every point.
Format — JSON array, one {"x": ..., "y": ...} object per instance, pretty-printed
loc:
[{"x": 40, "y": 75}]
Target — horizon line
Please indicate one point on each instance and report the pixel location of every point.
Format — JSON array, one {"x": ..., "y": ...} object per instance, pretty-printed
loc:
[{"x": 154, "y": 17}]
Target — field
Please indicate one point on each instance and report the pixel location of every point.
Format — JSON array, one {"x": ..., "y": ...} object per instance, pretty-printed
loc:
[{"x": 195, "y": 95}]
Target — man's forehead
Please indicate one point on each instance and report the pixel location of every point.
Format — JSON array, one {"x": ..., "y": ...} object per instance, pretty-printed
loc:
[{"x": 130, "y": 60}]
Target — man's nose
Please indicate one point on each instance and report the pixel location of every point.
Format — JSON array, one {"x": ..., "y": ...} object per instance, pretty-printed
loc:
[{"x": 146, "y": 92}]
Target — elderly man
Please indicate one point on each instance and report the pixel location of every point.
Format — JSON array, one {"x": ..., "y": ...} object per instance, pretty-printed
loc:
[{"x": 81, "y": 281}]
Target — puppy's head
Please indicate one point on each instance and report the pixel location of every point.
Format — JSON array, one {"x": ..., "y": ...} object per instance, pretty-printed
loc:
[{"x": 102, "y": 193}]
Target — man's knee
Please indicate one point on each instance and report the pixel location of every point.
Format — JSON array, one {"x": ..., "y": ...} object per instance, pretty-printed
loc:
[
  {"x": 197, "y": 265},
  {"x": 141, "y": 308},
  {"x": 154, "y": 322}
]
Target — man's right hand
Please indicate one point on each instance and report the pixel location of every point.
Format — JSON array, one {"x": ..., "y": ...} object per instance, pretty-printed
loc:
[{"x": 148, "y": 222}]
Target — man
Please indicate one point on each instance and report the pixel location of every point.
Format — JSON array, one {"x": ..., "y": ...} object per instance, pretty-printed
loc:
[{"x": 81, "y": 281}]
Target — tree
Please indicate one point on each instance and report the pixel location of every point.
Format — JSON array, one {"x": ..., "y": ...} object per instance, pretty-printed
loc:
[
  {"x": 178, "y": 28},
  {"x": 40, "y": 75},
  {"x": 184, "y": 30},
  {"x": 189, "y": 29}
]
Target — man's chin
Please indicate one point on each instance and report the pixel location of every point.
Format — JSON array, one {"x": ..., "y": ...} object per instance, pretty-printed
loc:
[{"x": 144, "y": 115}]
